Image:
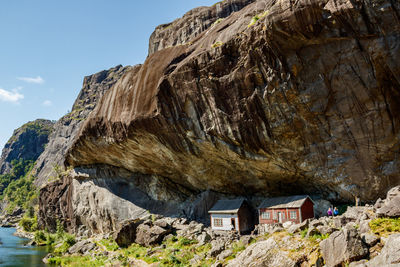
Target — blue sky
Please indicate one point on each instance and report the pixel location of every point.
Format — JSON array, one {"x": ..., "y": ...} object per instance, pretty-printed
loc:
[{"x": 48, "y": 46}]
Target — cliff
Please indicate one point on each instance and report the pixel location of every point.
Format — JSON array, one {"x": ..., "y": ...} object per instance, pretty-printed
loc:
[
  {"x": 65, "y": 129},
  {"x": 277, "y": 98},
  {"x": 26, "y": 143},
  {"x": 280, "y": 97},
  {"x": 194, "y": 22}
]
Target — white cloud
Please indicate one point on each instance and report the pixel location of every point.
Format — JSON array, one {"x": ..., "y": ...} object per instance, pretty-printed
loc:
[
  {"x": 11, "y": 96},
  {"x": 37, "y": 80},
  {"x": 47, "y": 103}
]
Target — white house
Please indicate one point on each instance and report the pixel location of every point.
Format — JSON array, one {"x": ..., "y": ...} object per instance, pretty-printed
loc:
[{"x": 232, "y": 214}]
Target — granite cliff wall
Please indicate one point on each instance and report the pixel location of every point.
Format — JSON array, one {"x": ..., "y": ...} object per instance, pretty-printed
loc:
[
  {"x": 65, "y": 129},
  {"x": 277, "y": 98}
]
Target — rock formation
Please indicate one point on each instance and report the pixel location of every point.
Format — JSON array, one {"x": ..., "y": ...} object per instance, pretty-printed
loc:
[
  {"x": 280, "y": 97},
  {"x": 94, "y": 86},
  {"x": 26, "y": 143},
  {"x": 193, "y": 23}
]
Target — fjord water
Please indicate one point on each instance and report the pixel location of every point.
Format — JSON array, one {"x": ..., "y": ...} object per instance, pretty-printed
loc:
[{"x": 15, "y": 253}]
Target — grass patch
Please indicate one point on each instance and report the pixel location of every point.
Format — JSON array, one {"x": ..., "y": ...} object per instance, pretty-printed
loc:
[
  {"x": 78, "y": 261},
  {"x": 385, "y": 226},
  {"x": 109, "y": 244},
  {"x": 303, "y": 233}
]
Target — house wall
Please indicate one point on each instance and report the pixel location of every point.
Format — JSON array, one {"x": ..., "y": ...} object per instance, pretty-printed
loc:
[
  {"x": 246, "y": 221},
  {"x": 307, "y": 210},
  {"x": 286, "y": 212},
  {"x": 226, "y": 221}
]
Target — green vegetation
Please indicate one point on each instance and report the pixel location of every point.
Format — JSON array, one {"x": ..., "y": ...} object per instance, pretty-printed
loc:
[
  {"x": 17, "y": 186},
  {"x": 78, "y": 261},
  {"x": 257, "y": 18},
  {"x": 59, "y": 242},
  {"x": 314, "y": 237},
  {"x": 109, "y": 244},
  {"x": 175, "y": 251},
  {"x": 29, "y": 224},
  {"x": 303, "y": 233},
  {"x": 39, "y": 127},
  {"x": 385, "y": 226},
  {"x": 217, "y": 21},
  {"x": 217, "y": 44}
]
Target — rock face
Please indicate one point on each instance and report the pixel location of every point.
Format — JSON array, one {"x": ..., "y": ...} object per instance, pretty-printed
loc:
[
  {"x": 103, "y": 202},
  {"x": 343, "y": 246},
  {"x": 67, "y": 127},
  {"x": 282, "y": 96},
  {"x": 26, "y": 143},
  {"x": 390, "y": 254},
  {"x": 193, "y": 23},
  {"x": 263, "y": 253},
  {"x": 391, "y": 206}
]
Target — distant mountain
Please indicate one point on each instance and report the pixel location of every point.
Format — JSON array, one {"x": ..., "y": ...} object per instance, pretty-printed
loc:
[{"x": 26, "y": 143}]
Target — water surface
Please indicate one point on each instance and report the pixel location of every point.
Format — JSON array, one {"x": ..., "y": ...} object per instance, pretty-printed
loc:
[{"x": 15, "y": 253}]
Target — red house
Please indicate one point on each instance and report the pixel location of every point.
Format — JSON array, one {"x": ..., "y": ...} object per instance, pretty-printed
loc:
[{"x": 283, "y": 209}]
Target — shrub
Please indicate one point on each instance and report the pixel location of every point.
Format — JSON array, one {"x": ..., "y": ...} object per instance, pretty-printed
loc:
[
  {"x": 40, "y": 237},
  {"x": 28, "y": 224}
]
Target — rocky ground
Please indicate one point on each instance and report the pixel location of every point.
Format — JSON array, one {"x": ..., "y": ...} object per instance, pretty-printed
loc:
[{"x": 362, "y": 236}]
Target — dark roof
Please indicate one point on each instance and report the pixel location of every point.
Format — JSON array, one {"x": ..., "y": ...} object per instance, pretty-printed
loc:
[
  {"x": 284, "y": 202},
  {"x": 227, "y": 206}
]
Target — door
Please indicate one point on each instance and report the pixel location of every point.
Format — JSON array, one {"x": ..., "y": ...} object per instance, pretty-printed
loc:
[
  {"x": 233, "y": 222},
  {"x": 280, "y": 217}
]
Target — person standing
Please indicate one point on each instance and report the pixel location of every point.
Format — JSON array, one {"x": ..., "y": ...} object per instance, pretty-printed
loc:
[
  {"x": 335, "y": 211},
  {"x": 329, "y": 212}
]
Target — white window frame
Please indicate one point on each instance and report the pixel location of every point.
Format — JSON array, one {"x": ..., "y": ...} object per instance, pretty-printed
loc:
[
  {"x": 266, "y": 215},
  {"x": 218, "y": 222},
  {"x": 275, "y": 215},
  {"x": 293, "y": 214}
]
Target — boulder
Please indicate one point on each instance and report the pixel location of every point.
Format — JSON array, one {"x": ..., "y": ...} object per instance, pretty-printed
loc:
[
  {"x": 364, "y": 227},
  {"x": 82, "y": 247},
  {"x": 147, "y": 235},
  {"x": 369, "y": 239},
  {"x": 353, "y": 214},
  {"x": 225, "y": 254},
  {"x": 315, "y": 223},
  {"x": 339, "y": 221},
  {"x": 217, "y": 246},
  {"x": 379, "y": 203},
  {"x": 298, "y": 227},
  {"x": 390, "y": 254},
  {"x": 343, "y": 246},
  {"x": 246, "y": 239},
  {"x": 126, "y": 235},
  {"x": 324, "y": 229},
  {"x": 263, "y": 253},
  {"x": 312, "y": 231},
  {"x": 361, "y": 263},
  {"x": 391, "y": 206},
  {"x": 203, "y": 238},
  {"x": 287, "y": 224}
]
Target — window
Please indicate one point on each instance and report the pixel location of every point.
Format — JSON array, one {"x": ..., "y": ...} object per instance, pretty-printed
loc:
[
  {"x": 293, "y": 214},
  {"x": 266, "y": 215},
  {"x": 275, "y": 215},
  {"x": 217, "y": 222}
]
